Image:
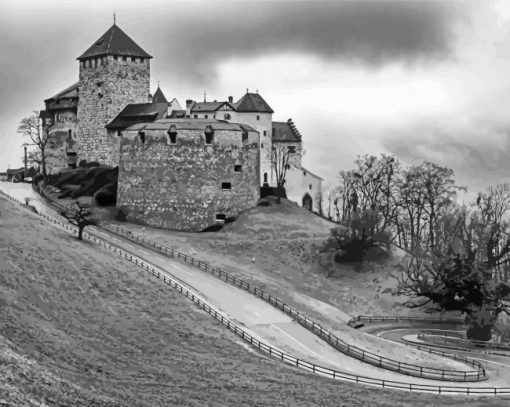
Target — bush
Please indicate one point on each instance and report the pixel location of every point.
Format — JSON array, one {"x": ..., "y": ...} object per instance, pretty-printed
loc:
[
  {"x": 85, "y": 164},
  {"x": 213, "y": 228},
  {"x": 273, "y": 191},
  {"x": 120, "y": 215},
  {"x": 107, "y": 195}
]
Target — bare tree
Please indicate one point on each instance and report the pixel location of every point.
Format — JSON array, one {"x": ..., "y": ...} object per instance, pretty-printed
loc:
[
  {"x": 39, "y": 133},
  {"x": 79, "y": 215},
  {"x": 279, "y": 156}
]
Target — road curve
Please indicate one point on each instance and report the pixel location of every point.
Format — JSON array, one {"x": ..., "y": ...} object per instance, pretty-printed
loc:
[{"x": 257, "y": 316}]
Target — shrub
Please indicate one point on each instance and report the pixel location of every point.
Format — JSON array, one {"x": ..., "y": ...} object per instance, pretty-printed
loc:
[
  {"x": 213, "y": 228},
  {"x": 107, "y": 195},
  {"x": 120, "y": 215}
]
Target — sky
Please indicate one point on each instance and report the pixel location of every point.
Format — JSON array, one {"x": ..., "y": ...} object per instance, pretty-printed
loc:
[{"x": 424, "y": 80}]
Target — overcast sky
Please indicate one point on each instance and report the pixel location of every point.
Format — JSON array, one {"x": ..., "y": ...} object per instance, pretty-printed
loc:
[{"x": 425, "y": 80}]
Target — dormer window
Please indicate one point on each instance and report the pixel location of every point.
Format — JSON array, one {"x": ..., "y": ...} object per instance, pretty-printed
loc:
[
  {"x": 172, "y": 135},
  {"x": 209, "y": 135},
  {"x": 141, "y": 134}
]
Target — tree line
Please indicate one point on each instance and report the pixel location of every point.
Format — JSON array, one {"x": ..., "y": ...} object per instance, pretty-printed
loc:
[{"x": 457, "y": 255}]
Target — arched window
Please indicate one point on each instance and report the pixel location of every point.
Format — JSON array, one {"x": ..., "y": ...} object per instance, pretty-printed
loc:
[
  {"x": 141, "y": 133},
  {"x": 209, "y": 135},
  {"x": 172, "y": 134}
]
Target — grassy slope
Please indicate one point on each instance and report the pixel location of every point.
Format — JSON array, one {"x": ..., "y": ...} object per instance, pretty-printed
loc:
[{"x": 81, "y": 325}]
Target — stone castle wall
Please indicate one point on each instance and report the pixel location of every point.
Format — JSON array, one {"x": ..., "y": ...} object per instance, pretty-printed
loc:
[
  {"x": 62, "y": 140},
  {"x": 107, "y": 85},
  {"x": 180, "y": 186}
]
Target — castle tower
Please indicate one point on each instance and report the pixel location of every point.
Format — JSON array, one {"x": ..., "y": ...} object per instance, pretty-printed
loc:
[{"x": 114, "y": 72}]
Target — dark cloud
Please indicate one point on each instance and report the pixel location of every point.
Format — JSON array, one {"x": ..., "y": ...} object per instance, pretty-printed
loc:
[
  {"x": 478, "y": 154},
  {"x": 366, "y": 32}
]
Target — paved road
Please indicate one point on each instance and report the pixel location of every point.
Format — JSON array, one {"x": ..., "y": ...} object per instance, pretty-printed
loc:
[{"x": 257, "y": 316}]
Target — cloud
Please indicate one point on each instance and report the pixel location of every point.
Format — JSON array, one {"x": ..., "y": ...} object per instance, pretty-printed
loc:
[
  {"x": 477, "y": 150},
  {"x": 371, "y": 33}
]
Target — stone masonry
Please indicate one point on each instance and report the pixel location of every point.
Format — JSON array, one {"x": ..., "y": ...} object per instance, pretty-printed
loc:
[
  {"x": 107, "y": 85},
  {"x": 188, "y": 185}
]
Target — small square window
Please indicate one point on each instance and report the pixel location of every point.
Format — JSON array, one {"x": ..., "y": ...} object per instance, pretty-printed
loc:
[
  {"x": 206, "y": 116},
  {"x": 195, "y": 116},
  {"x": 258, "y": 117},
  {"x": 261, "y": 145},
  {"x": 226, "y": 185},
  {"x": 292, "y": 149},
  {"x": 124, "y": 59},
  {"x": 238, "y": 168},
  {"x": 133, "y": 59},
  {"x": 227, "y": 116}
]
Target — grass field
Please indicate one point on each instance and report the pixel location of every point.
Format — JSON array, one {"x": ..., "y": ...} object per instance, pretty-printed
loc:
[{"x": 79, "y": 326}]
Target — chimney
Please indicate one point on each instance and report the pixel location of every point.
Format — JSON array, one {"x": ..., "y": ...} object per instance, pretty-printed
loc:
[
  {"x": 189, "y": 104},
  {"x": 230, "y": 99}
]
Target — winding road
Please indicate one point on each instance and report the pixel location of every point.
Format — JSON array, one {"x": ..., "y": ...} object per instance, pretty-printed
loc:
[{"x": 258, "y": 317}]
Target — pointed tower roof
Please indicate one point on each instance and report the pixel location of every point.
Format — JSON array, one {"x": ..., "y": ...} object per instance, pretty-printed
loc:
[
  {"x": 114, "y": 42},
  {"x": 159, "y": 97},
  {"x": 253, "y": 102}
]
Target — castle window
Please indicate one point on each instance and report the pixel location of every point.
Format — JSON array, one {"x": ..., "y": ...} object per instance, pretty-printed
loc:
[
  {"x": 238, "y": 168},
  {"x": 124, "y": 59},
  {"x": 195, "y": 116},
  {"x": 226, "y": 185},
  {"x": 287, "y": 166},
  {"x": 206, "y": 116},
  {"x": 265, "y": 133},
  {"x": 291, "y": 149},
  {"x": 115, "y": 57},
  {"x": 304, "y": 173},
  {"x": 209, "y": 135},
  {"x": 141, "y": 133},
  {"x": 258, "y": 117},
  {"x": 245, "y": 136},
  {"x": 214, "y": 117},
  {"x": 310, "y": 186},
  {"x": 133, "y": 59},
  {"x": 227, "y": 116},
  {"x": 172, "y": 135},
  {"x": 70, "y": 134}
]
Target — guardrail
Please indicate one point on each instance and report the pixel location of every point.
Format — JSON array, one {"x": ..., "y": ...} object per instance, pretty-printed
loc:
[
  {"x": 376, "y": 319},
  {"x": 460, "y": 340},
  {"x": 333, "y": 340},
  {"x": 267, "y": 349}
]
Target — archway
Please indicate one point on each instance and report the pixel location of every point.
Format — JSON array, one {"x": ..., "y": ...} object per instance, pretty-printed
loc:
[{"x": 307, "y": 202}]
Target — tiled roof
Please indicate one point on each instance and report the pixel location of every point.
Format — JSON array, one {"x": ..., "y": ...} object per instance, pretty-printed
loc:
[
  {"x": 252, "y": 102},
  {"x": 137, "y": 113},
  {"x": 177, "y": 114},
  {"x": 285, "y": 132},
  {"x": 114, "y": 42},
  {"x": 69, "y": 92},
  {"x": 159, "y": 97},
  {"x": 191, "y": 124},
  {"x": 208, "y": 106}
]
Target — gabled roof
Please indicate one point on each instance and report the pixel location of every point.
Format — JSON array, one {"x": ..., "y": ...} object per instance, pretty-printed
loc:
[
  {"x": 114, "y": 42},
  {"x": 177, "y": 114},
  {"x": 159, "y": 97},
  {"x": 137, "y": 113},
  {"x": 208, "y": 106},
  {"x": 69, "y": 92},
  {"x": 285, "y": 132},
  {"x": 252, "y": 102}
]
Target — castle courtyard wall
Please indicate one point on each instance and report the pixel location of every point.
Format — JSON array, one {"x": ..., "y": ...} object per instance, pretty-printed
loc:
[{"x": 179, "y": 186}]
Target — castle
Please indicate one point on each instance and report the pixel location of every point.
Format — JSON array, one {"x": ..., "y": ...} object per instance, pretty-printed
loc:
[{"x": 179, "y": 168}]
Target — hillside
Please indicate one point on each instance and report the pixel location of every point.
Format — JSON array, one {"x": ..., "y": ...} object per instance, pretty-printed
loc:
[
  {"x": 83, "y": 328},
  {"x": 278, "y": 247}
]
